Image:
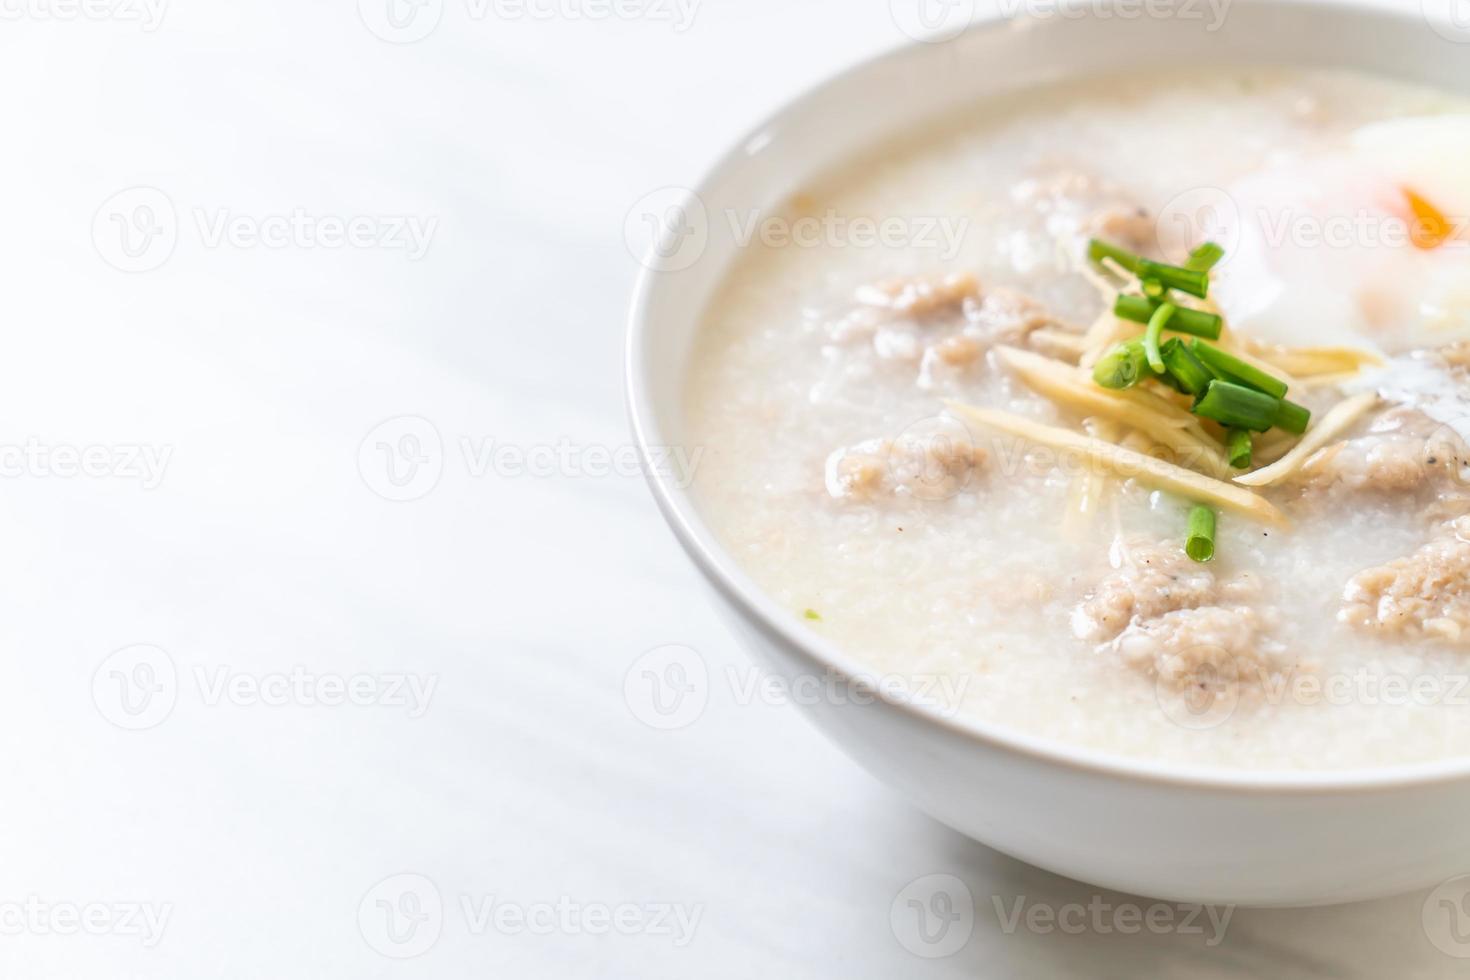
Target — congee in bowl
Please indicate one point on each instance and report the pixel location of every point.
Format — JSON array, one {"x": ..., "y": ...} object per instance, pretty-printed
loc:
[{"x": 1141, "y": 425}]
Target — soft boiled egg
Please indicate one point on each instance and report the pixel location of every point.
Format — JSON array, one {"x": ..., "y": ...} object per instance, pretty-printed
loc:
[{"x": 1368, "y": 245}]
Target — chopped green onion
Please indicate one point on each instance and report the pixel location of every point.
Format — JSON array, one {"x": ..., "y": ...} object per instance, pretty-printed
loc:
[
  {"x": 1237, "y": 406},
  {"x": 1292, "y": 417},
  {"x": 1184, "y": 369},
  {"x": 1234, "y": 369},
  {"x": 1153, "y": 289},
  {"x": 1203, "y": 259},
  {"x": 1200, "y": 543},
  {"x": 1196, "y": 323},
  {"x": 1122, "y": 367},
  {"x": 813, "y": 615},
  {"x": 1238, "y": 447},
  {"x": 1156, "y": 325},
  {"x": 1175, "y": 277},
  {"x": 1097, "y": 250},
  {"x": 1191, "y": 281}
]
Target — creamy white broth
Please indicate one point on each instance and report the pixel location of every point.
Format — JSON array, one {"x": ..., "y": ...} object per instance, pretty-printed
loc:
[{"x": 978, "y": 574}]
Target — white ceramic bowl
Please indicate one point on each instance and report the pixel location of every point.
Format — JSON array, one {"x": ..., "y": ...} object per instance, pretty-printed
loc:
[{"x": 1165, "y": 831}]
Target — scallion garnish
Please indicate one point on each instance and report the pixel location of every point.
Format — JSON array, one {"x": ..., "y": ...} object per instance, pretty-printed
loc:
[
  {"x": 1184, "y": 369},
  {"x": 1292, "y": 417},
  {"x": 1234, "y": 369},
  {"x": 1238, "y": 447},
  {"x": 1097, "y": 250},
  {"x": 1191, "y": 281},
  {"x": 1176, "y": 277},
  {"x": 1203, "y": 259},
  {"x": 1153, "y": 289},
  {"x": 1196, "y": 323},
  {"x": 1237, "y": 406},
  {"x": 1200, "y": 542},
  {"x": 1122, "y": 367},
  {"x": 1156, "y": 325}
]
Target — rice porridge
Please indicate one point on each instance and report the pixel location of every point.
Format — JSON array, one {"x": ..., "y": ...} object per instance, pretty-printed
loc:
[{"x": 1117, "y": 486}]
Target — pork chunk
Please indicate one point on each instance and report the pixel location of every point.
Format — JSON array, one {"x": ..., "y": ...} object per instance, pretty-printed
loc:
[
  {"x": 1425, "y": 594},
  {"x": 924, "y": 296},
  {"x": 933, "y": 465},
  {"x": 1150, "y": 579},
  {"x": 1172, "y": 618},
  {"x": 1186, "y": 646},
  {"x": 1402, "y": 452},
  {"x": 943, "y": 325}
]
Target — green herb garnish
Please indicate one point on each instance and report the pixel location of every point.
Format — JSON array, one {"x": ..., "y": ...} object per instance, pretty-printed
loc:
[
  {"x": 1121, "y": 367},
  {"x": 1232, "y": 368},
  {"x": 1238, "y": 447},
  {"x": 1185, "y": 372},
  {"x": 1292, "y": 417},
  {"x": 1196, "y": 323},
  {"x": 1237, "y": 406},
  {"x": 1192, "y": 281},
  {"x": 812, "y": 614},
  {"x": 1203, "y": 259},
  {"x": 1199, "y": 544},
  {"x": 1156, "y": 325}
]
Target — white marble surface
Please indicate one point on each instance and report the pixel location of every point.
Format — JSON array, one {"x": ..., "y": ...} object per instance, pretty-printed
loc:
[{"x": 263, "y": 572}]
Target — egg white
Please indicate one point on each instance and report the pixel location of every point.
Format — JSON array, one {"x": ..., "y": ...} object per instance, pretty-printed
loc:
[{"x": 1322, "y": 248}]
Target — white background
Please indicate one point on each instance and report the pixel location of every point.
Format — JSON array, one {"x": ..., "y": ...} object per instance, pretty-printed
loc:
[{"x": 265, "y": 373}]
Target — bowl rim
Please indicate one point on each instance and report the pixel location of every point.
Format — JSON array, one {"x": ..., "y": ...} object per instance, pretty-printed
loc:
[{"x": 713, "y": 560}]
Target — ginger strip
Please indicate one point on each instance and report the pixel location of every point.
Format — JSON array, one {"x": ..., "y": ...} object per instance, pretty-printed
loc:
[
  {"x": 1331, "y": 425},
  {"x": 1126, "y": 464},
  {"x": 1157, "y": 417}
]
